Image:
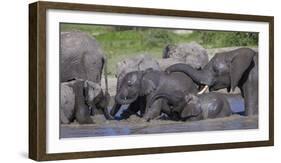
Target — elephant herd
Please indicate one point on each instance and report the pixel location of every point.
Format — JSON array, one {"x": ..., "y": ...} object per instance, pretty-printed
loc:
[{"x": 174, "y": 86}]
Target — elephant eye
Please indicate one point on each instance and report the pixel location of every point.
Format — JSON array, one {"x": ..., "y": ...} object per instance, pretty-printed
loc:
[{"x": 130, "y": 83}]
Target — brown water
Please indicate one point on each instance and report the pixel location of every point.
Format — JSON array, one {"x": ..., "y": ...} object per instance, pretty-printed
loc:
[{"x": 135, "y": 126}]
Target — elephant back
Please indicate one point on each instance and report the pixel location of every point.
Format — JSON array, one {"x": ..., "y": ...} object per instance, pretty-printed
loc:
[{"x": 81, "y": 57}]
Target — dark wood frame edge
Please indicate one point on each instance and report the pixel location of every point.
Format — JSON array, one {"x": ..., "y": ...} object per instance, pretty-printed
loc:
[{"x": 37, "y": 79}]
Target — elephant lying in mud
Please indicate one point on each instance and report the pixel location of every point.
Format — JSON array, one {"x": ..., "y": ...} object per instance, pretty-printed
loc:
[
  {"x": 188, "y": 106},
  {"x": 80, "y": 99},
  {"x": 142, "y": 84},
  {"x": 236, "y": 68},
  {"x": 141, "y": 62}
]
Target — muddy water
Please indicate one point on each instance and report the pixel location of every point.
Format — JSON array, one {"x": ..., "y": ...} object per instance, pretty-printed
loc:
[{"x": 136, "y": 125}]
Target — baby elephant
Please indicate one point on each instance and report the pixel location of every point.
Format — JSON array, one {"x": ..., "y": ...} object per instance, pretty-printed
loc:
[
  {"x": 186, "y": 106},
  {"x": 80, "y": 99},
  {"x": 72, "y": 103}
]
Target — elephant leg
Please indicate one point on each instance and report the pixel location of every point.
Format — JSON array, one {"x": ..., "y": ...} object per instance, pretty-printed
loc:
[
  {"x": 63, "y": 118},
  {"x": 82, "y": 115},
  {"x": 165, "y": 108},
  {"x": 93, "y": 110},
  {"x": 153, "y": 111},
  {"x": 251, "y": 102},
  {"x": 107, "y": 114},
  {"x": 250, "y": 92}
]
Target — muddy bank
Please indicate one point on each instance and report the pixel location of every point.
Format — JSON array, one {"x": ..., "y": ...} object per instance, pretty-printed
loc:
[{"x": 135, "y": 125}]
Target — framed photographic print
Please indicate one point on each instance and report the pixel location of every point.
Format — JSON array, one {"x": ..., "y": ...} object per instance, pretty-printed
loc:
[{"x": 112, "y": 81}]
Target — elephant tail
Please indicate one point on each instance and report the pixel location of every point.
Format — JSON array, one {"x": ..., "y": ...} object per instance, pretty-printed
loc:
[{"x": 105, "y": 74}]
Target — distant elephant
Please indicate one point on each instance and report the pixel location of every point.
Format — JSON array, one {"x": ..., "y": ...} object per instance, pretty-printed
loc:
[
  {"x": 80, "y": 98},
  {"x": 141, "y": 62},
  {"x": 192, "y": 54},
  {"x": 142, "y": 84},
  {"x": 188, "y": 106},
  {"x": 81, "y": 58},
  {"x": 236, "y": 68}
]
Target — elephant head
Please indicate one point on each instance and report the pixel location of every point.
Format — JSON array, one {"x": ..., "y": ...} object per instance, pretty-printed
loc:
[
  {"x": 96, "y": 98},
  {"x": 91, "y": 91},
  {"x": 192, "y": 106},
  {"x": 129, "y": 88},
  {"x": 133, "y": 85},
  {"x": 224, "y": 70}
]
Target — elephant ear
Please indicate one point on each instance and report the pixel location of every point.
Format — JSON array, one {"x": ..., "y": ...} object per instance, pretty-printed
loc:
[
  {"x": 192, "y": 107},
  {"x": 191, "y": 110},
  {"x": 93, "y": 90},
  {"x": 148, "y": 86},
  {"x": 239, "y": 63}
]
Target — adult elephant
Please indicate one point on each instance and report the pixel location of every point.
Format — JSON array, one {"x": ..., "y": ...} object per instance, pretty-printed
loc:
[
  {"x": 143, "y": 84},
  {"x": 236, "y": 68},
  {"x": 81, "y": 57}
]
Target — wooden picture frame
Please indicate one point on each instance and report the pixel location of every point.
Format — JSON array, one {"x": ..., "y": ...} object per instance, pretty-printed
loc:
[{"x": 37, "y": 79}]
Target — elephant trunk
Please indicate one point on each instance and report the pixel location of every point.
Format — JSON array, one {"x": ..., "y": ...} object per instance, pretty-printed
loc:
[
  {"x": 125, "y": 100},
  {"x": 202, "y": 77},
  {"x": 116, "y": 107}
]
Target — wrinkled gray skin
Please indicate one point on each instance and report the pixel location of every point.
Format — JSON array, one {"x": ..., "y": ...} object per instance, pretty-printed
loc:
[
  {"x": 96, "y": 99},
  {"x": 143, "y": 84},
  {"x": 237, "y": 68},
  {"x": 188, "y": 106},
  {"x": 192, "y": 54},
  {"x": 81, "y": 57},
  {"x": 138, "y": 63},
  {"x": 80, "y": 99},
  {"x": 73, "y": 105},
  {"x": 67, "y": 103}
]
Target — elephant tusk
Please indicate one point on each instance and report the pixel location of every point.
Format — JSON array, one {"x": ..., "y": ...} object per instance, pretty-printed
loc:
[{"x": 203, "y": 90}]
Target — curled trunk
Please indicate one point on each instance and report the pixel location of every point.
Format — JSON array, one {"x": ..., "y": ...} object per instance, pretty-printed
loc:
[{"x": 198, "y": 76}]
